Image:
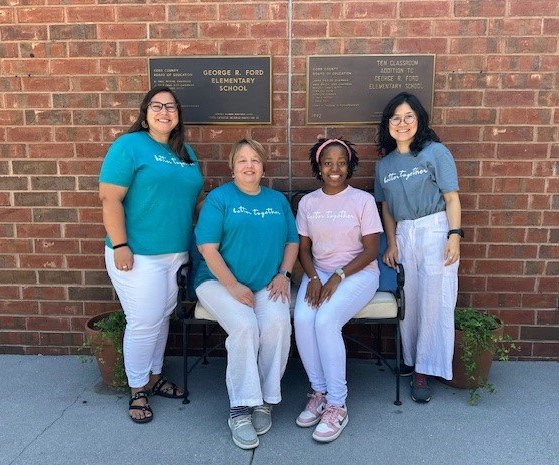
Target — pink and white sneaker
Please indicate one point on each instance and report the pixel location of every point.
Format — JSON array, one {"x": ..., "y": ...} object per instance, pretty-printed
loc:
[
  {"x": 333, "y": 421},
  {"x": 313, "y": 411}
]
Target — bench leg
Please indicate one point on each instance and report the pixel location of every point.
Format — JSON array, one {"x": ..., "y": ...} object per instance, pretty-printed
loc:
[
  {"x": 185, "y": 334},
  {"x": 398, "y": 359}
]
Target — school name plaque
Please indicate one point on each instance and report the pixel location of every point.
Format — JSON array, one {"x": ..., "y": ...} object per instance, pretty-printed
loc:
[
  {"x": 218, "y": 90},
  {"x": 353, "y": 89}
]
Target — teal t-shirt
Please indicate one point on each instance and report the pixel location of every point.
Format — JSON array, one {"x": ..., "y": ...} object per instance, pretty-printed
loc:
[
  {"x": 162, "y": 192},
  {"x": 251, "y": 230}
]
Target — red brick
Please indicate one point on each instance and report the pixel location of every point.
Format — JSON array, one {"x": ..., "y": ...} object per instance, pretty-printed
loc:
[
  {"x": 476, "y": 8},
  {"x": 90, "y": 14}
]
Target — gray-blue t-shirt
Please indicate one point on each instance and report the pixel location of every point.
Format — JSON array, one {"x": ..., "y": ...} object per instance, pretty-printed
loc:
[
  {"x": 162, "y": 193},
  {"x": 251, "y": 230},
  {"x": 413, "y": 186}
]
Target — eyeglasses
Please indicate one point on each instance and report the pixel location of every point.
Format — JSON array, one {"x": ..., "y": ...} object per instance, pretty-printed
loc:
[
  {"x": 158, "y": 106},
  {"x": 408, "y": 119}
]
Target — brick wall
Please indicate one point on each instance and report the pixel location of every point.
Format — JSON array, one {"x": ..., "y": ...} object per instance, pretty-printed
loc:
[{"x": 73, "y": 74}]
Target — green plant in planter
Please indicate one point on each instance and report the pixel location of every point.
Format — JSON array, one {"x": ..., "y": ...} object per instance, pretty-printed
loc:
[
  {"x": 479, "y": 335},
  {"x": 111, "y": 327}
]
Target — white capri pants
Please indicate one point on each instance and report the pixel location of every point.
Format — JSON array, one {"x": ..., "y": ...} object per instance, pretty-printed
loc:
[
  {"x": 148, "y": 296},
  {"x": 258, "y": 342},
  {"x": 431, "y": 289},
  {"x": 318, "y": 332}
]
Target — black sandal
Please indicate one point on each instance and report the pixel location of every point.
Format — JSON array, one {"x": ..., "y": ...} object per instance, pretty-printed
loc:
[
  {"x": 143, "y": 408},
  {"x": 157, "y": 389}
]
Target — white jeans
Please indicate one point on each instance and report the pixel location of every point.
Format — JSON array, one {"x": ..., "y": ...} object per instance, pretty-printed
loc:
[
  {"x": 258, "y": 342},
  {"x": 148, "y": 295},
  {"x": 431, "y": 290},
  {"x": 318, "y": 332}
]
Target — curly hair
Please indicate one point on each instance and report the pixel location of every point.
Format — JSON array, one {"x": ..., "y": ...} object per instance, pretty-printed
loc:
[
  {"x": 353, "y": 159},
  {"x": 386, "y": 143},
  {"x": 176, "y": 138}
]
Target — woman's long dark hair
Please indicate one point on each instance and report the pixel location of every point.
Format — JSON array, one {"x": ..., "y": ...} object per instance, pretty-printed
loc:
[
  {"x": 352, "y": 161},
  {"x": 176, "y": 138},
  {"x": 424, "y": 134}
]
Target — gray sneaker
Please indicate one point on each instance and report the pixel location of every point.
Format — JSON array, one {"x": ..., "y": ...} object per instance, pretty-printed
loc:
[
  {"x": 243, "y": 432},
  {"x": 420, "y": 390},
  {"x": 262, "y": 418}
]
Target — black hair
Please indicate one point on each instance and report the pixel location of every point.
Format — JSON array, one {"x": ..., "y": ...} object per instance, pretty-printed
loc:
[
  {"x": 352, "y": 162},
  {"x": 176, "y": 138},
  {"x": 424, "y": 134}
]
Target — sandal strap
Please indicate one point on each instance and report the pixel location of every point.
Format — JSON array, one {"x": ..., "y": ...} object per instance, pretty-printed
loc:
[
  {"x": 138, "y": 395},
  {"x": 160, "y": 383}
]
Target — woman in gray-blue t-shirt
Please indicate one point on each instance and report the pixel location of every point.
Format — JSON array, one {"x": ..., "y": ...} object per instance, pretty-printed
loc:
[{"x": 417, "y": 183}]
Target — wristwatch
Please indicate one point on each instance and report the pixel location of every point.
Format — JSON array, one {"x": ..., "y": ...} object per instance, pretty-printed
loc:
[
  {"x": 340, "y": 273},
  {"x": 286, "y": 273},
  {"x": 458, "y": 231}
]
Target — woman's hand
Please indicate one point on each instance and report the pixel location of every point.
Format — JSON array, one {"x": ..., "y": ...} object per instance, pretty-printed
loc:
[
  {"x": 329, "y": 288},
  {"x": 279, "y": 287},
  {"x": 452, "y": 250},
  {"x": 390, "y": 256},
  {"x": 312, "y": 296},
  {"x": 124, "y": 258},
  {"x": 241, "y": 293}
]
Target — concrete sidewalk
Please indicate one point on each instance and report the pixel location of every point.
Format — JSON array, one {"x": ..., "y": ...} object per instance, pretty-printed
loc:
[{"x": 55, "y": 411}]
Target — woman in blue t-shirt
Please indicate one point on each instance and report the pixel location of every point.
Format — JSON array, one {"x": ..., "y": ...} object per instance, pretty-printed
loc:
[
  {"x": 149, "y": 186},
  {"x": 417, "y": 183},
  {"x": 247, "y": 236}
]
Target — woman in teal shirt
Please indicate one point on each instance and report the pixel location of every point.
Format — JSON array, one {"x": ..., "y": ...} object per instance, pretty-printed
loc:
[
  {"x": 150, "y": 182},
  {"x": 248, "y": 238}
]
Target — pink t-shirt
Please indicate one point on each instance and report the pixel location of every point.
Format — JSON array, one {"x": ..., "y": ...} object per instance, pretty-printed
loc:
[{"x": 336, "y": 223}]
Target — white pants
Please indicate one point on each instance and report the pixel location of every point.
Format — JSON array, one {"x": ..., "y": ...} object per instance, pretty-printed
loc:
[
  {"x": 148, "y": 295},
  {"x": 318, "y": 332},
  {"x": 431, "y": 290},
  {"x": 258, "y": 342}
]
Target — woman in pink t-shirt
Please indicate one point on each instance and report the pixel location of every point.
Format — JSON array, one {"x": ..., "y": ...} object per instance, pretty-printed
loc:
[{"x": 339, "y": 229}]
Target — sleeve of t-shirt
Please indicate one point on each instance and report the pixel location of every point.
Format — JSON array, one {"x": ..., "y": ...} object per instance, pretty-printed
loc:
[
  {"x": 446, "y": 174},
  {"x": 118, "y": 165},
  {"x": 302, "y": 226},
  {"x": 209, "y": 229},
  {"x": 370, "y": 219},
  {"x": 292, "y": 234}
]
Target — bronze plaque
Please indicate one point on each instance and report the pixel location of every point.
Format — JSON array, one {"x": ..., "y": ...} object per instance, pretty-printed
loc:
[
  {"x": 218, "y": 90},
  {"x": 353, "y": 89}
]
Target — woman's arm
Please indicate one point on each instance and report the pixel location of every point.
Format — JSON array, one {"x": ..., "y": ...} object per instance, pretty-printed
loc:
[
  {"x": 454, "y": 216},
  {"x": 312, "y": 295},
  {"x": 390, "y": 256},
  {"x": 221, "y": 271},
  {"x": 111, "y": 197}
]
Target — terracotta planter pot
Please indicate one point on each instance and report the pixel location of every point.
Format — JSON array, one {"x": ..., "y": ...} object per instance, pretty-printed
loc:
[
  {"x": 105, "y": 352},
  {"x": 460, "y": 378}
]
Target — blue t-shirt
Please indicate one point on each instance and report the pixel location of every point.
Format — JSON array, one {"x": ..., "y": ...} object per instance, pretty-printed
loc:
[
  {"x": 162, "y": 193},
  {"x": 251, "y": 230},
  {"x": 413, "y": 186}
]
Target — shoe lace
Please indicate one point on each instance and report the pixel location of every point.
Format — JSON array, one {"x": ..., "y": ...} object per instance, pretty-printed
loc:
[
  {"x": 330, "y": 414},
  {"x": 241, "y": 421},
  {"x": 316, "y": 398},
  {"x": 266, "y": 409}
]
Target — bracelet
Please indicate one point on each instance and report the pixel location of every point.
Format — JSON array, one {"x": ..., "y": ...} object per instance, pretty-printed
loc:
[
  {"x": 314, "y": 277},
  {"x": 124, "y": 244}
]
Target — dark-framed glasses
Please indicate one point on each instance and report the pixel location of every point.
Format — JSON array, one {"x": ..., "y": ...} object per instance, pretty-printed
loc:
[
  {"x": 407, "y": 119},
  {"x": 158, "y": 106}
]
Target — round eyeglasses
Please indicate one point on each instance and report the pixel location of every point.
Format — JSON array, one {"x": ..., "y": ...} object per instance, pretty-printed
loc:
[
  {"x": 158, "y": 106},
  {"x": 407, "y": 119}
]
